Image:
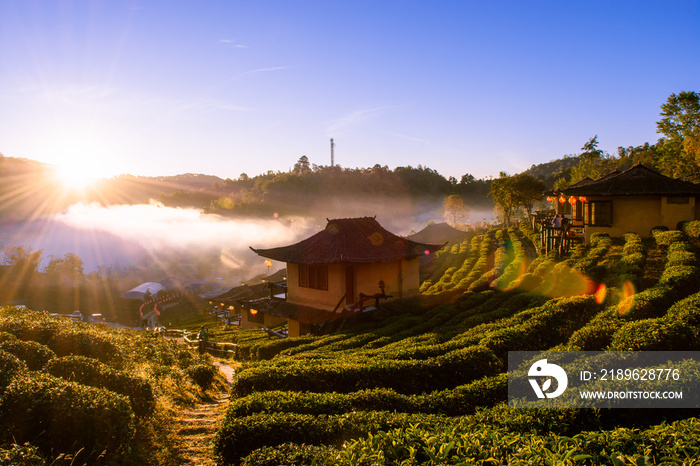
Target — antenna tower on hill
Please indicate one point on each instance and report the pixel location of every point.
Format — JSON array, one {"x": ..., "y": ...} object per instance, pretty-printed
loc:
[{"x": 332, "y": 147}]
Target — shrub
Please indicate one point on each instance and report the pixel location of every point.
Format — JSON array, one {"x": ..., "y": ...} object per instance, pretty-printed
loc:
[
  {"x": 80, "y": 341},
  {"x": 686, "y": 311},
  {"x": 404, "y": 376},
  {"x": 676, "y": 258},
  {"x": 666, "y": 238},
  {"x": 95, "y": 374},
  {"x": 289, "y": 454},
  {"x": 652, "y": 302},
  {"x": 653, "y": 335},
  {"x": 527, "y": 281},
  {"x": 202, "y": 374},
  {"x": 62, "y": 417},
  {"x": 684, "y": 279},
  {"x": 692, "y": 228},
  {"x": 597, "y": 335},
  {"x": 238, "y": 437},
  {"x": 10, "y": 366},
  {"x": 34, "y": 354}
]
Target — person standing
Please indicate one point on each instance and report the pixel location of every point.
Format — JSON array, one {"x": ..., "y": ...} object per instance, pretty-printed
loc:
[{"x": 203, "y": 338}]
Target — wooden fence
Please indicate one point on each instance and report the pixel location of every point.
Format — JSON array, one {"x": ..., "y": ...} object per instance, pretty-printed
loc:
[{"x": 217, "y": 348}]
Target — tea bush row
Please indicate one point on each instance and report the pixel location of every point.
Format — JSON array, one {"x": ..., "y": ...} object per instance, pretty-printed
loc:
[
  {"x": 59, "y": 416},
  {"x": 452, "y": 402},
  {"x": 239, "y": 436},
  {"x": 404, "y": 376},
  {"x": 91, "y": 372},
  {"x": 34, "y": 354}
]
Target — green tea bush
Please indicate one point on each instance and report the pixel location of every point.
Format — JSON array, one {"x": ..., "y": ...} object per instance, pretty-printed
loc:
[
  {"x": 686, "y": 311},
  {"x": 238, "y": 437},
  {"x": 404, "y": 376},
  {"x": 10, "y": 366},
  {"x": 34, "y": 354},
  {"x": 679, "y": 258},
  {"x": 692, "y": 229},
  {"x": 202, "y": 374},
  {"x": 91, "y": 372},
  {"x": 290, "y": 454},
  {"x": 684, "y": 279},
  {"x": 83, "y": 341},
  {"x": 63, "y": 417},
  {"x": 597, "y": 334},
  {"x": 666, "y": 238},
  {"x": 652, "y": 302},
  {"x": 654, "y": 335}
]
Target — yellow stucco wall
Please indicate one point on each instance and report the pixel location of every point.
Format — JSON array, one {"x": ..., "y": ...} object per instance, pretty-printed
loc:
[
  {"x": 641, "y": 214},
  {"x": 671, "y": 214},
  {"x": 322, "y": 299},
  {"x": 269, "y": 321},
  {"x": 293, "y": 328},
  {"x": 401, "y": 278}
]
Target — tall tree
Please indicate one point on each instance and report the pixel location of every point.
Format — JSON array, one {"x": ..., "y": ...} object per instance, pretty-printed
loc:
[
  {"x": 505, "y": 196},
  {"x": 455, "y": 209},
  {"x": 528, "y": 191},
  {"x": 680, "y": 121},
  {"x": 302, "y": 166}
]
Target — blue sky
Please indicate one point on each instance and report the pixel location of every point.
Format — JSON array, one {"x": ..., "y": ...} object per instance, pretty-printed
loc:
[{"x": 226, "y": 87}]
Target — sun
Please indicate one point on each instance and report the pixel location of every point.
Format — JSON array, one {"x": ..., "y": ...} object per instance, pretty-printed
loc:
[
  {"x": 76, "y": 177},
  {"x": 79, "y": 161}
]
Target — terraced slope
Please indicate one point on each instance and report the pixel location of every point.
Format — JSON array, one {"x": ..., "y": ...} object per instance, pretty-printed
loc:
[{"x": 426, "y": 385}]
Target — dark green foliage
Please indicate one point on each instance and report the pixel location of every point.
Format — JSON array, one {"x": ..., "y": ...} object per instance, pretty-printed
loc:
[
  {"x": 666, "y": 238},
  {"x": 653, "y": 335},
  {"x": 10, "y": 366},
  {"x": 91, "y": 372},
  {"x": 687, "y": 311},
  {"x": 34, "y": 354},
  {"x": 692, "y": 229},
  {"x": 652, "y": 302},
  {"x": 81, "y": 341},
  {"x": 202, "y": 374},
  {"x": 543, "y": 327},
  {"x": 238, "y": 437},
  {"x": 452, "y": 402},
  {"x": 59, "y": 416},
  {"x": 405, "y": 376},
  {"x": 289, "y": 454},
  {"x": 597, "y": 334},
  {"x": 684, "y": 279},
  {"x": 21, "y": 455}
]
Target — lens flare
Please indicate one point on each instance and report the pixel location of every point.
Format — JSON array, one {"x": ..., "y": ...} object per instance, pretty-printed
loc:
[{"x": 601, "y": 293}]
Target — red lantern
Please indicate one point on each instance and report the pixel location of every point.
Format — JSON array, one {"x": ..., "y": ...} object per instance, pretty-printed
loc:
[
  {"x": 253, "y": 312},
  {"x": 268, "y": 263},
  {"x": 550, "y": 198},
  {"x": 572, "y": 200},
  {"x": 562, "y": 199},
  {"x": 583, "y": 198}
]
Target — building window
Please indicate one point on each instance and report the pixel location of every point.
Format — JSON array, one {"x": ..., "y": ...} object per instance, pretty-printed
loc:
[
  {"x": 677, "y": 200},
  {"x": 600, "y": 213},
  {"x": 313, "y": 276},
  {"x": 564, "y": 208}
]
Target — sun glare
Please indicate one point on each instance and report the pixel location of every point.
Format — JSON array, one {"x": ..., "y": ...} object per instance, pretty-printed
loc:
[
  {"x": 76, "y": 177},
  {"x": 79, "y": 160}
]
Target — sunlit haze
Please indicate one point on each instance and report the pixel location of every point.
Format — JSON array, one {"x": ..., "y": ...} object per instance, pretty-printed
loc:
[{"x": 222, "y": 88}]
